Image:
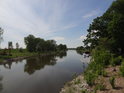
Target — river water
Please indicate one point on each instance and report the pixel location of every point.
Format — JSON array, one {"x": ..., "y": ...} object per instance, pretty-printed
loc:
[{"x": 45, "y": 74}]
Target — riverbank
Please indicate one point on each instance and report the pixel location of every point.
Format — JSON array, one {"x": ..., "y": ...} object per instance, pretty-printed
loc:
[
  {"x": 16, "y": 55},
  {"x": 101, "y": 76},
  {"x": 79, "y": 85}
]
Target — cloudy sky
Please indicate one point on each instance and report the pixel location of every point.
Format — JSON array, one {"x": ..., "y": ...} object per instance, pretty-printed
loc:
[{"x": 65, "y": 21}]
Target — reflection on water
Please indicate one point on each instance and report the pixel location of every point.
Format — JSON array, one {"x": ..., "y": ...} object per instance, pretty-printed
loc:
[
  {"x": 79, "y": 52},
  {"x": 38, "y": 63},
  {"x": 42, "y": 74},
  {"x": 1, "y": 86}
]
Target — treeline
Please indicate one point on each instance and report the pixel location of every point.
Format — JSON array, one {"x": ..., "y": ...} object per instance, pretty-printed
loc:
[
  {"x": 107, "y": 31},
  {"x": 105, "y": 40},
  {"x": 34, "y": 44},
  {"x": 80, "y": 48}
]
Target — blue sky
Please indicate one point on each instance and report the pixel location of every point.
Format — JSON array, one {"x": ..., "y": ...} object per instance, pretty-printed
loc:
[{"x": 65, "y": 21}]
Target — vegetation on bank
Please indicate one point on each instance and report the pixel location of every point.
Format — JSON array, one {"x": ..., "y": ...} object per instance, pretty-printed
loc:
[
  {"x": 14, "y": 54},
  {"x": 104, "y": 39},
  {"x": 105, "y": 42},
  {"x": 34, "y": 46}
]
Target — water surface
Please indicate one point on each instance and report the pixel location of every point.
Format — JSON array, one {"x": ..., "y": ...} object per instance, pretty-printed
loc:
[{"x": 45, "y": 74}]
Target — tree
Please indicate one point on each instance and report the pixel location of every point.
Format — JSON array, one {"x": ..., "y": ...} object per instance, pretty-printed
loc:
[
  {"x": 80, "y": 48},
  {"x": 51, "y": 45},
  {"x": 40, "y": 45},
  {"x": 10, "y": 45},
  {"x": 107, "y": 31},
  {"x": 1, "y": 33},
  {"x": 17, "y": 45},
  {"x": 30, "y": 43},
  {"x": 34, "y": 44},
  {"x": 97, "y": 30},
  {"x": 62, "y": 47}
]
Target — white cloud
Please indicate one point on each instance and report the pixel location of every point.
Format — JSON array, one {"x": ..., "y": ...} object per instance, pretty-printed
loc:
[
  {"x": 38, "y": 17},
  {"x": 82, "y": 37},
  {"x": 58, "y": 38},
  {"x": 91, "y": 14}
]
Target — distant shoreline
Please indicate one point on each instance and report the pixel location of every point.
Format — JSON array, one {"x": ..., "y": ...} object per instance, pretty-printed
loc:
[{"x": 32, "y": 55}]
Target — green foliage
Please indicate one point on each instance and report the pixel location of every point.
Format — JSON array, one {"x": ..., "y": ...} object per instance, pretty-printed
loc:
[
  {"x": 90, "y": 77},
  {"x": 112, "y": 81},
  {"x": 1, "y": 33},
  {"x": 34, "y": 44},
  {"x": 108, "y": 30},
  {"x": 100, "y": 59},
  {"x": 122, "y": 69},
  {"x": 62, "y": 47},
  {"x": 77, "y": 81},
  {"x": 80, "y": 48},
  {"x": 30, "y": 43},
  {"x": 99, "y": 87},
  {"x": 116, "y": 60},
  {"x": 16, "y": 53},
  {"x": 104, "y": 73},
  {"x": 20, "y": 50},
  {"x": 84, "y": 91},
  {"x": 105, "y": 37}
]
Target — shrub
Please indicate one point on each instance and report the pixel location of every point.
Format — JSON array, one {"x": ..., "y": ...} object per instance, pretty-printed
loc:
[
  {"x": 90, "y": 78},
  {"x": 116, "y": 60},
  {"x": 101, "y": 57},
  {"x": 84, "y": 91},
  {"x": 122, "y": 69},
  {"x": 20, "y": 50},
  {"x": 112, "y": 82},
  {"x": 104, "y": 73},
  {"x": 77, "y": 81},
  {"x": 100, "y": 87}
]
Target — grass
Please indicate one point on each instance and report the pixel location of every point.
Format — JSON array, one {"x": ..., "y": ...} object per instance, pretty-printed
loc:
[
  {"x": 24, "y": 53},
  {"x": 122, "y": 68},
  {"x": 112, "y": 82},
  {"x": 77, "y": 81},
  {"x": 99, "y": 87},
  {"x": 100, "y": 59},
  {"x": 16, "y": 53}
]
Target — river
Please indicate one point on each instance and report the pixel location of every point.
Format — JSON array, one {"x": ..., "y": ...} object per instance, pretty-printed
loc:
[{"x": 46, "y": 74}]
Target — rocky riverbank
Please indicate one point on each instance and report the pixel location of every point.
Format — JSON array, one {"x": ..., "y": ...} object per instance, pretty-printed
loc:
[{"x": 79, "y": 85}]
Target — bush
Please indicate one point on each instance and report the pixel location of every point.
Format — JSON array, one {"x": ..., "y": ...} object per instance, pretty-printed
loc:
[
  {"x": 99, "y": 87},
  {"x": 90, "y": 78},
  {"x": 101, "y": 57},
  {"x": 116, "y": 60},
  {"x": 112, "y": 82},
  {"x": 104, "y": 73},
  {"x": 122, "y": 69},
  {"x": 21, "y": 50},
  {"x": 84, "y": 91},
  {"x": 77, "y": 81}
]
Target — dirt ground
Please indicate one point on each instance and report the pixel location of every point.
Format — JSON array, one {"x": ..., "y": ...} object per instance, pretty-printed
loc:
[{"x": 119, "y": 81}]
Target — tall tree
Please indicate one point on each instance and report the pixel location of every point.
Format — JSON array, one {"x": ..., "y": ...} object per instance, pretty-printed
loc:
[
  {"x": 108, "y": 30},
  {"x": 1, "y": 35},
  {"x": 17, "y": 45},
  {"x": 30, "y": 43}
]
